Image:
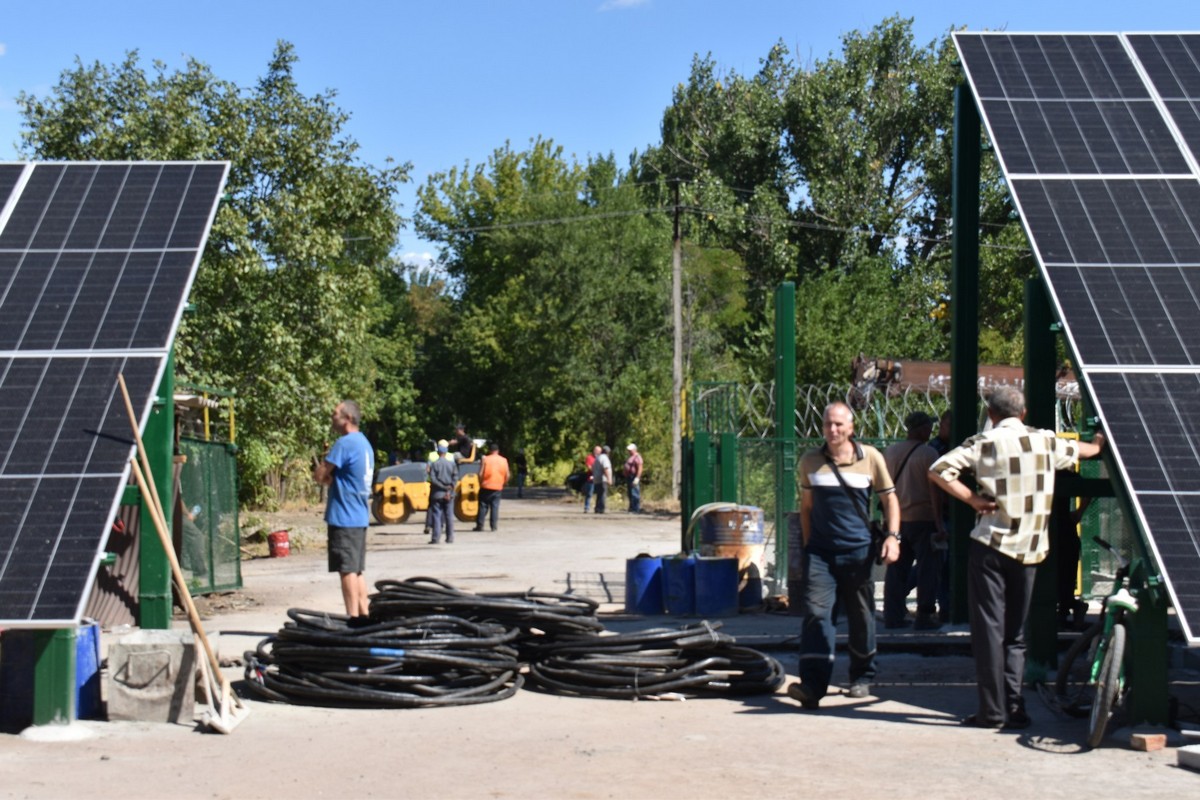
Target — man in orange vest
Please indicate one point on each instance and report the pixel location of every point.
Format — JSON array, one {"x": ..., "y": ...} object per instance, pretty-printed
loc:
[{"x": 493, "y": 474}]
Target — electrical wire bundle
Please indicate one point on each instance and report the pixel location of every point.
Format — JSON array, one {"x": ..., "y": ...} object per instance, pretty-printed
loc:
[
  {"x": 654, "y": 664},
  {"x": 420, "y": 661},
  {"x": 430, "y": 644},
  {"x": 540, "y": 616}
]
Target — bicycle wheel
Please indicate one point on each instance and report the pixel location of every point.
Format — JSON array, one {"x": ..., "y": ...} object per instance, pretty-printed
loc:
[
  {"x": 1073, "y": 688},
  {"x": 1108, "y": 686}
]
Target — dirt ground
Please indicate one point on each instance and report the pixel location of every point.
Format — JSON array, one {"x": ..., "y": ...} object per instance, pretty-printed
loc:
[{"x": 904, "y": 742}]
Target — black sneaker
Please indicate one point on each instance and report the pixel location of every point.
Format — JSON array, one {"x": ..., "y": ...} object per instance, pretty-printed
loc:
[
  {"x": 804, "y": 696},
  {"x": 927, "y": 622},
  {"x": 973, "y": 721},
  {"x": 1018, "y": 719}
]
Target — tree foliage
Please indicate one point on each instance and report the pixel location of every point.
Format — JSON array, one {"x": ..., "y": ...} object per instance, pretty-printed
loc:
[
  {"x": 819, "y": 173},
  {"x": 546, "y": 321},
  {"x": 289, "y": 308},
  {"x": 558, "y": 283}
]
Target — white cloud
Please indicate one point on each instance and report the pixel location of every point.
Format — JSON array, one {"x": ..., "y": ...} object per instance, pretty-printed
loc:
[
  {"x": 414, "y": 259},
  {"x": 3, "y": 48},
  {"x": 620, "y": 5}
]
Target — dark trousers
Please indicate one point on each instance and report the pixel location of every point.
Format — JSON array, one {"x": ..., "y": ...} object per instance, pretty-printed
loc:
[
  {"x": 601, "y": 493},
  {"x": 589, "y": 489},
  {"x": 844, "y": 579},
  {"x": 489, "y": 504},
  {"x": 916, "y": 555},
  {"x": 999, "y": 589},
  {"x": 443, "y": 515}
]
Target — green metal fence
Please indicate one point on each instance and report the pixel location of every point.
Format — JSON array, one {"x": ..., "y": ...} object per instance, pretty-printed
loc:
[
  {"x": 207, "y": 533},
  {"x": 733, "y": 457}
]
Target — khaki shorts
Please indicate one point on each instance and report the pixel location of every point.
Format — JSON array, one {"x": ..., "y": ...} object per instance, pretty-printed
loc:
[{"x": 347, "y": 549}]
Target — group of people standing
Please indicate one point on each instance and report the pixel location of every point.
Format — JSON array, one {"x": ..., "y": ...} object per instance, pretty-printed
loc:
[
  {"x": 443, "y": 474},
  {"x": 599, "y": 478},
  {"x": 1013, "y": 467}
]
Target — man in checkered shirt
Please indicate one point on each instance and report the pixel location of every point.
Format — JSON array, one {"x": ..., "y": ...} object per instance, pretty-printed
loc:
[{"x": 1014, "y": 471}]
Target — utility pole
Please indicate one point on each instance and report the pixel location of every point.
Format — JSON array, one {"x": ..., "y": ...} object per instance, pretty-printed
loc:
[{"x": 677, "y": 366}]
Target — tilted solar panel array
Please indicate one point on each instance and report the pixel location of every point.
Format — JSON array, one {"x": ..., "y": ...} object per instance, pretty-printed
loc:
[
  {"x": 1099, "y": 136},
  {"x": 96, "y": 260}
]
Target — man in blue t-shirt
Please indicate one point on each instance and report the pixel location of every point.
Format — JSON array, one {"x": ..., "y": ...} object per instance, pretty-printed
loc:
[{"x": 348, "y": 470}]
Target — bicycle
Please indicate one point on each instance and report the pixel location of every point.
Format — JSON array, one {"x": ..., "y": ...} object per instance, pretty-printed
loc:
[{"x": 1099, "y": 691}]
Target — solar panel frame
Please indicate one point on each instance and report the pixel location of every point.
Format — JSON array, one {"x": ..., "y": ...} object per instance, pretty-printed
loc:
[
  {"x": 1118, "y": 243},
  {"x": 96, "y": 263}
]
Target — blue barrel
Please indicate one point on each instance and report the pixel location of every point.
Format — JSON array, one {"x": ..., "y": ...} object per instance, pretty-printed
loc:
[
  {"x": 679, "y": 585},
  {"x": 643, "y": 585},
  {"x": 87, "y": 672},
  {"x": 716, "y": 587}
]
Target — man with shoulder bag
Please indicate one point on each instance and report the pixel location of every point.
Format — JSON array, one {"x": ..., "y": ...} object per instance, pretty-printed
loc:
[{"x": 837, "y": 480}]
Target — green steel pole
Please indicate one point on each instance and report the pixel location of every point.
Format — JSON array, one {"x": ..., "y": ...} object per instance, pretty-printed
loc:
[
  {"x": 964, "y": 322},
  {"x": 1146, "y": 652},
  {"x": 785, "y": 424},
  {"x": 1042, "y": 628},
  {"x": 727, "y": 444},
  {"x": 54, "y": 677},
  {"x": 154, "y": 578}
]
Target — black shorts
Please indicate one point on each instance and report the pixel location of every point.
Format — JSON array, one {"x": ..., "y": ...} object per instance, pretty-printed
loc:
[{"x": 347, "y": 549}]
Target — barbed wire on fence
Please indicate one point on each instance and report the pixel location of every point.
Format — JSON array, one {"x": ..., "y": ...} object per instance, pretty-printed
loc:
[{"x": 749, "y": 410}]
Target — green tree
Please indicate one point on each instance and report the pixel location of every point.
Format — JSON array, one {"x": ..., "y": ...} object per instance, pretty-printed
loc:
[
  {"x": 814, "y": 173},
  {"x": 289, "y": 307},
  {"x": 557, "y": 274}
]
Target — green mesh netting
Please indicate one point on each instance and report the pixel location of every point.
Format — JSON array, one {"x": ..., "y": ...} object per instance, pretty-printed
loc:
[{"x": 209, "y": 544}]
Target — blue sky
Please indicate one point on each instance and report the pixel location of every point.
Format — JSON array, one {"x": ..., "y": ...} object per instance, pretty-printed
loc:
[{"x": 443, "y": 82}]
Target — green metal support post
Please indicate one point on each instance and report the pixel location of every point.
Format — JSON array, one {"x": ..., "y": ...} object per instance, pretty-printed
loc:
[
  {"x": 785, "y": 423},
  {"x": 728, "y": 455},
  {"x": 154, "y": 577},
  {"x": 964, "y": 321},
  {"x": 1149, "y": 695},
  {"x": 1042, "y": 627},
  {"x": 702, "y": 469},
  {"x": 54, "y": 676}
]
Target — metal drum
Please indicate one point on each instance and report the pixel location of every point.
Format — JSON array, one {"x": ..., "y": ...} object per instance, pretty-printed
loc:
[{"x": 733, "y": 531}]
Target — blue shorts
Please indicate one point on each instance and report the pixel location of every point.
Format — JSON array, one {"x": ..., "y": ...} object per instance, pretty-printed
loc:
[{"x": 347, "y": 549}]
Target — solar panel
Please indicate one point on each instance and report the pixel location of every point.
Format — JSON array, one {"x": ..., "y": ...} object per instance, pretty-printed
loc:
[
  {"x": 1098, "y": 136},
  {"x": 96, "y": 260}
]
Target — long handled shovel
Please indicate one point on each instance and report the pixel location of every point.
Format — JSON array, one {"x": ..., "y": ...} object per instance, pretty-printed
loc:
[{"x": 229, "y": 710}]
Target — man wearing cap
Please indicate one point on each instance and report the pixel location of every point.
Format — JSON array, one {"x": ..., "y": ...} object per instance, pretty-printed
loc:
[
  {"x": 633, "y": 474},
  {"x": 908, "y": 463},
  {"x": 493, "y": 474},
  {"x": 443, "y": 475}
]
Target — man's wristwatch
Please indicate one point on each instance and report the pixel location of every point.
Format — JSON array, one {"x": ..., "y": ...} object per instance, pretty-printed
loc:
[{"x": 893, "y": 535}]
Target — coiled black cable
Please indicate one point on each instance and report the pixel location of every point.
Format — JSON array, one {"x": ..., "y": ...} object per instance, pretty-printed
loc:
[
  {"x": 660, "y": 662},
  {"x": 430, "y": 644},
  {"x": 432, "y": 660},
  {"x": 539, "y": 616}
]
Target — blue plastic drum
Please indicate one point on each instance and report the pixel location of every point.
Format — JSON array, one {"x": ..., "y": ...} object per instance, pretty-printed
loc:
[
  {"x": 643, "y": 585},
  {"x": 679, "y": 585},
  {"x": 716, "y": 587}
]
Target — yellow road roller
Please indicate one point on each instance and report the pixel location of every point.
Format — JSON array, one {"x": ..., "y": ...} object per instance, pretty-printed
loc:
[{"x": 402, "y": 489}]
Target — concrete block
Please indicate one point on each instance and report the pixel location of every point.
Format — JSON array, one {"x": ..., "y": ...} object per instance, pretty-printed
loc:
[
  {"x": 151, "y": 677},
  {"x": 1189, "y": 756},
  {"x": 1148, "y": 742}
]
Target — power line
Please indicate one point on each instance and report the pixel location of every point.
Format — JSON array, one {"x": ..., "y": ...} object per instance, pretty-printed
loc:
[{"x": 710, "y": 212}]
